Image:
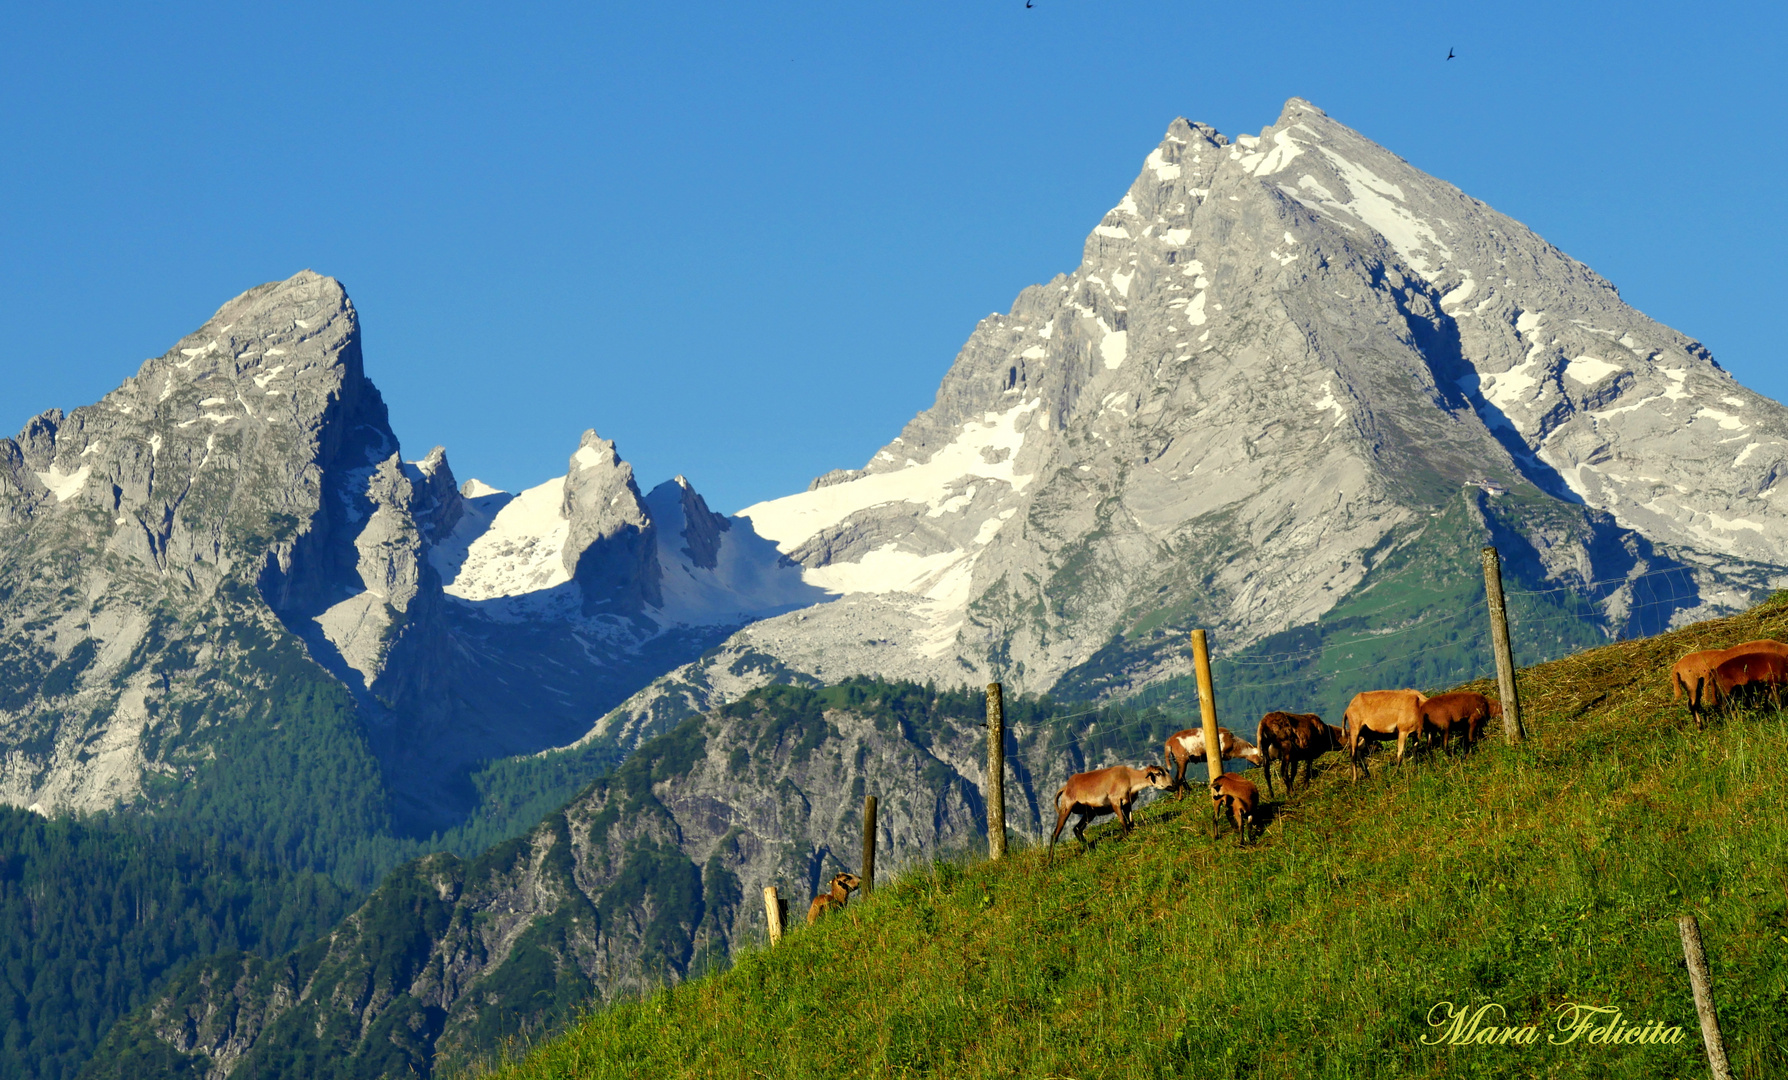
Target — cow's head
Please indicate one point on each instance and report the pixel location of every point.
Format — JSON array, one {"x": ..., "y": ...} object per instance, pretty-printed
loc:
[{"x": 1158, "y": 777}]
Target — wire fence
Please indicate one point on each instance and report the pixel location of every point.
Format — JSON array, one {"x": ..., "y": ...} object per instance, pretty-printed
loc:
[{"x": 1544, "y": 624}]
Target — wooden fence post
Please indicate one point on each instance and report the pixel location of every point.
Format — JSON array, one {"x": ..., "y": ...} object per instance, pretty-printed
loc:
[
  {"x": 773, "y": 913},
  {"x": 1207, "y": 704},
  {"x": 868, "y": 874},
  {"x": 1499, "y": 643},
  {"x": 996, "y": 771},
  {"x": 1701, "y": 982}
]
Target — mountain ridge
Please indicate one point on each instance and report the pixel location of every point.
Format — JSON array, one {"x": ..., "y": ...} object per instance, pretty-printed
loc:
[
  {"x": 1383, "y": 343},
  {"x": 1291, "y": 390}
]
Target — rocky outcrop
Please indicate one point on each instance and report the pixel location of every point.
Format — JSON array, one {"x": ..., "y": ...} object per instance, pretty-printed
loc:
[{"x": 609, "y": 545}]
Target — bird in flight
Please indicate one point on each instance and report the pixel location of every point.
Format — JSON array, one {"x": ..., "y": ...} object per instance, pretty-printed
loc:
[
  {"x": 1027, "y": 3},
  {"x": 1449, "y": 50}
]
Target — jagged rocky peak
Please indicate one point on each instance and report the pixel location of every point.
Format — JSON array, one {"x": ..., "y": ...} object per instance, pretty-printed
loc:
[
  {"x": 273, "y": 366},
  {"x": 438, "y": 502},
  {"x": 1281, "y": 356},
  {"x": 255, "y": 453},
  {"x": 697, "y": 526},
  {"x": 609, "y": 545}
]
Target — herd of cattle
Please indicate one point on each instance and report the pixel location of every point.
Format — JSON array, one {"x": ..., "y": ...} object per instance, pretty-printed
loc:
[{"x": 1709, "y": 680}]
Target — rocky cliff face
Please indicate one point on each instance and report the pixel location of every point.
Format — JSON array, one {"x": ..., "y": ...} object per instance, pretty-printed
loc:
[
  {"x": 249, "y": 477},
  {"x": 654, "y": 874},
  {"x": 1281, "y": 358},
  {"x": 216, "y": 466}
]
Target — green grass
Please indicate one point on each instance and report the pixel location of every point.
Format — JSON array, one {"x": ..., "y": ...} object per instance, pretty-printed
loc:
[{"x": 1531, "y": 876}]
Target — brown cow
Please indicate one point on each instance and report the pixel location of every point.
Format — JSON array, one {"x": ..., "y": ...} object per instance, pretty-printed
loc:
[
  {"x": 1762, "y": 669},
  {"x": 1294, "y": 738},
  {"x": 1376, "y": 715},
  {"x": 1693, "y": 675},
  {"x": 1462, "y": 711},
  {"x": 1235, "y": 798},
  {"x": 842, "y": 884},
  {"x": 1185, "y": 747},
  {"x": 1100, "y": 792}
]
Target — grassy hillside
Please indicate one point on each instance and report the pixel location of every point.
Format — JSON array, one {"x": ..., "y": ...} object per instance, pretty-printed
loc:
[{"x": 1530, "y": 876}]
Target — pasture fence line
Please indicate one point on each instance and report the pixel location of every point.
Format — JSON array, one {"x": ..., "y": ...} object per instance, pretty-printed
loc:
[
  {"x": 775, "y": 914},
  {"x": 996, "y": 772},
  {"x": 868, "y": 871},
  {"x": 1499, "y": 639},
  {"x": 1467, "y": 629},
  {"x": 1701, "y": 982},
  {"x": 1207, "y": 704}
]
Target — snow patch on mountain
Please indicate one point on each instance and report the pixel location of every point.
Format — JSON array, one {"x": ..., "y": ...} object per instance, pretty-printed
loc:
[
  {"x": 985, "y": 449},
  {"x": 64, "y": 486},
  {"x": 505, "y": 545},
  {"x": 1589, "y": 370}
]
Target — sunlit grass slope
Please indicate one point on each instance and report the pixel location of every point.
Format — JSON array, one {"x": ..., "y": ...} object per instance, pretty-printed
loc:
[{"x": 1531, "y": 876}]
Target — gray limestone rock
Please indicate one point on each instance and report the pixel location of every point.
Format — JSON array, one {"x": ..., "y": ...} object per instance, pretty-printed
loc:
[
  {"x": 1280, "y": 358},
  {"x": 250, "y": 476},
  {"x": 609, "y": 550}
]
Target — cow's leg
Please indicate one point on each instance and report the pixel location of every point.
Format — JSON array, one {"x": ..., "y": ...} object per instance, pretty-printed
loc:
[
  {"x": 1124, "y": 816},
  {"x": 1402, "y": 738},
  {"x": 1179, "y": 774},
  {"x": 1266, "y": 766},
  {"x": 1061, "y": 819}
]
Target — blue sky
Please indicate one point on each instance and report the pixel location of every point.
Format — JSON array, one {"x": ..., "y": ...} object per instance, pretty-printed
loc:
[{"x": 746, "y": 240}]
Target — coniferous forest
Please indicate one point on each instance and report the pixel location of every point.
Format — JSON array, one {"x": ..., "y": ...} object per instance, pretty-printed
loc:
[{"x": 95, "y": 912}]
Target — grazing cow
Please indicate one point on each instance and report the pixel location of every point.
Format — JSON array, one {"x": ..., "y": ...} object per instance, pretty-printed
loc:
[
  {"x": 1235, "y": 798},
  {"x": 1185, "y": 747},
  {"x": 842, "y": 884},
  {"x": 1761, "y": 669},
  {"x": 1693, "y": 675},
  {"x": 1100, "y": 792},
  {"x": 1462, "y": 711},
  {"x": 1375, "y": 716},
  {"x": 1294, "y": 738}
]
